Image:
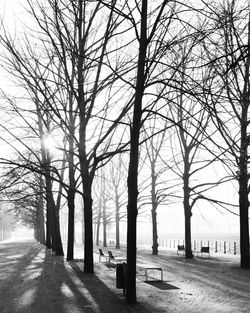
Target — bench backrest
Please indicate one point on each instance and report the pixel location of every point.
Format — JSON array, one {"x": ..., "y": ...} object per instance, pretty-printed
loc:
[
  {"x": 205, "y": 249},
  {"x": 180, "y": 247},
  {"x": 110, "y": 254},
  {"x": 100, "y": 252}
]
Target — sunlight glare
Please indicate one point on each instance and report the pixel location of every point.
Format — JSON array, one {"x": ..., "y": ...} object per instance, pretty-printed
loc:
[{"x": 49, "y": 143}]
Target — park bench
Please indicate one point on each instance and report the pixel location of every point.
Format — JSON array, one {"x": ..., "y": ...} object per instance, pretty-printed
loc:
[
  {"x": 180, "y": 248},
  {"x": 151, "y": 267},
  {"x": 102, "y": 255},
  {"x": 202, "y": 250},
  {"x": 115, "y": 258}
]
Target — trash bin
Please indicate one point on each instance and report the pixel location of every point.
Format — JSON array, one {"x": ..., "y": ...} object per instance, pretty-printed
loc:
[{"x": 119, "y": 275}]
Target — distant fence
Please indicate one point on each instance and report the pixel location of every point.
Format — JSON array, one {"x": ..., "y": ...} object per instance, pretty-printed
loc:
[{"x": 215, "y": 246}]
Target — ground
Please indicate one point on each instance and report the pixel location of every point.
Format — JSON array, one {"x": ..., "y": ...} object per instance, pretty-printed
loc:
[{"x": 33, "y": 280}]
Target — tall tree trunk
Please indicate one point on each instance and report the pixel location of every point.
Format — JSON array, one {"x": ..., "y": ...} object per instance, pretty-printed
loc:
[
  {"x": 71, "y": 224},
  {"x": 87, "y": 200},
  {"x": 244, "y": 223},
  {"x": 88, "y": 228},
  {"x": 50, "y": 238},
  {"x": 104, "y": 219},
  {"x": 53, "y": 213},
  {"x": 154, "y": 231},
  {"x": 117, "y": 219},
  {"x": 84, "y": 164},
  {"x": 188, "y": 246},
  {"x": 154, "y": 211},
  {"x": 133, "y": 162},
  {"x": 41, "y": 212},
  {"x": 243, "y": 194},
  {"x": 48, "y": 228},
  {"x": 83, "y": 232},
  {"x": 58, "y": 238},
  {"x": 71, "y": 200},
  {"x": 243, "y": 165},
  {"x": 98, "y": 223},
  {"x": 187, "y": 208}
]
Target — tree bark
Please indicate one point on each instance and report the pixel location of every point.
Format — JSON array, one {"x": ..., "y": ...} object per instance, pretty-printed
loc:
[
  {"x": 104, "y": 219},
  {"x": 154, "y": 230},
  {"x": 88, "y": 230},
  {"x": 71, "y": 197},
  {"x": 71, "y": 224},
  {"x": 133, "y": 163},
  {"x": 243, "y": 165},
  {"x": 243, "y": 193},
  {"x": 187, "y": 207},
  {"x": 98, "y": 222},
  {"x": 117, "y": 219},
  {"x": 41, "y": 212},
  {"x": 53, "y": 213},
  {"x": 48, "y": 229},
  {"x": 154, "y": 211}
]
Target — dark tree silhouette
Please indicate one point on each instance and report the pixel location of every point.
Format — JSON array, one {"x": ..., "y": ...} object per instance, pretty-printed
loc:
[{"x": 227, "y": 94}]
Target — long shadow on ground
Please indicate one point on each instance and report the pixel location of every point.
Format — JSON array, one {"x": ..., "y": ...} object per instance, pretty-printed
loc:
[
  {"x": 33, "y": 280},
  {"x": 106, "y": 299},
  {"x": 18, "y": 275}
]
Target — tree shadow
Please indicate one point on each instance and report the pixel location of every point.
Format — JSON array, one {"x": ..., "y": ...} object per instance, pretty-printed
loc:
[
  {"x": 162, "y": 285},
  {"x": 39, "y": 282},
  {"x": 107, "y": 300},
  {"x": 15, "y": 259}
]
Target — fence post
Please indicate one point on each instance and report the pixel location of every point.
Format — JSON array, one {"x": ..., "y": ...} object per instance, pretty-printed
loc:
[
  {"x": 234, "y": 248},
  {"x": 216, "y": 246},
  {"x": 225, "y": 247}
]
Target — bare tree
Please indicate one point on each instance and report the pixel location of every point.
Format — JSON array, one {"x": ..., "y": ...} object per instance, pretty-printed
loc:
[
  {"x": 227, "y": 55},
  {"x": 145, "y": 67},
  {"x": 155, "y": 136},
  {"x": 119, "y": 195},
  {"x": 76, "y": 33}
]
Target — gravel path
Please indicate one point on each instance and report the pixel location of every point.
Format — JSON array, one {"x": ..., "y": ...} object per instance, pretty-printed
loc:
[{"x": 32, "y": 280}]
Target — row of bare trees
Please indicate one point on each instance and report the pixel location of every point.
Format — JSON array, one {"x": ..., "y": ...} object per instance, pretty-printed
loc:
[{"x": 158, "y": 84}]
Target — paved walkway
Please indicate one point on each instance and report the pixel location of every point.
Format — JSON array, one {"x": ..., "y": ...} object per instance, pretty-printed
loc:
[{"x": 32, "y": 280}]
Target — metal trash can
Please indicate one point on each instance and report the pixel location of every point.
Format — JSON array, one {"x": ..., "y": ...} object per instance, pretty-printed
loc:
[{"x": 119, "y": 275}]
